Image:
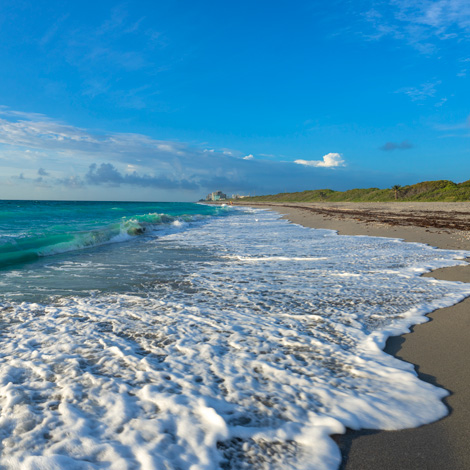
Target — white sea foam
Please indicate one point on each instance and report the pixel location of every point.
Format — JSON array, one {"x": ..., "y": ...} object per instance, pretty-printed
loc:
[
  {"x": 262, "y": 351},
  {"x": 276, "y": 258}
]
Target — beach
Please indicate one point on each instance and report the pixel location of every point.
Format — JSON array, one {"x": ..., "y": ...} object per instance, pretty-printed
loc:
[
  {"x": 180, "y": 335},
  {"x": 439, "y": 349}
]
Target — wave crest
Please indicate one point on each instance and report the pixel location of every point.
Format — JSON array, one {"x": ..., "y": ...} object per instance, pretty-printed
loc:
[{"x": 29, "y": 248}]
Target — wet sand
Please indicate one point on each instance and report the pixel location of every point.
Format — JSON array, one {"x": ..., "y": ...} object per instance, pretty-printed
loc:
[{"x": 439, "y": 349}]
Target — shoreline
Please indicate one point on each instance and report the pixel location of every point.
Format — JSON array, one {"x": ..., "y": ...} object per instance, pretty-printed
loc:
[{"x": 438, "y": 348}]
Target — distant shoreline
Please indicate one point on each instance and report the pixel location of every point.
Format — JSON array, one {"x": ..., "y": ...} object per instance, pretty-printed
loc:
[
  {"x": 440, "y": 348},
  {"x": 426, "y": 191}
]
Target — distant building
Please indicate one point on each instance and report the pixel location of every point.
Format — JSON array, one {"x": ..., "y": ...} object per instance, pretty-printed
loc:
[
  {"x": 216, "y": 196},
  {"x": 237, "y": 196}
]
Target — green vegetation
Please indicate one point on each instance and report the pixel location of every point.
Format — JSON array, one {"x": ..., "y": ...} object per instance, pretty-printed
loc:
[
  {"x": 396, "y": 189},
  {"x": 443, "y": 190}
]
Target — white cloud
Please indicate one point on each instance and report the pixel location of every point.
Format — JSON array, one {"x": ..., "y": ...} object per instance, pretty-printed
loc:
[
  {"x": 6, "y": 111},
  {"x": 420, "y": 23},
  {"x": 64, "y": 140},
  {"x": 459, "y": 129},
  {"x": 248, "y": 157},
  {"x": 420, "y": 93},
  {"x": 441, "y": 14},
  {"x": 330, "y": 160}
]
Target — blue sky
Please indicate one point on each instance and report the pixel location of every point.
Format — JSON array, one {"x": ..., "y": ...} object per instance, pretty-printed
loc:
[{"x": 170, "y": 100}]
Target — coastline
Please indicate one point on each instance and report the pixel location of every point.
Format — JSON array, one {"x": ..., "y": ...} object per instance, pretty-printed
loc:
[{"x": 439, "y": 348}]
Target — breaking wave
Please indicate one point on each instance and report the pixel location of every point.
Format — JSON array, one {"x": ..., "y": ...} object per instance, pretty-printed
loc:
[{"x": 30, "y": 247}]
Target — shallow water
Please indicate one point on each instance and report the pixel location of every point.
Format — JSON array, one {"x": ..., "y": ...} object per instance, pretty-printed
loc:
[{"x": 230, "y": 340}]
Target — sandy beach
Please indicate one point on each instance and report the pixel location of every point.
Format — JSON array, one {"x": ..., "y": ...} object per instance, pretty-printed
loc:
[{"x": 439, "y": 349}]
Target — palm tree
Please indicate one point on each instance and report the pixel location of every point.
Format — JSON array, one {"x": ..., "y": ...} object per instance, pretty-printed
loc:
[{"x": 396, "y": 188}]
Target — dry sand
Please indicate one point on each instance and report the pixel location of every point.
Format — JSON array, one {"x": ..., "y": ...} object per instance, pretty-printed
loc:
[{"x": 440, "y": 349}]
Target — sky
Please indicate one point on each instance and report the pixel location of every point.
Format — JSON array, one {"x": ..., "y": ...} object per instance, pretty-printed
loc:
[{"x": 169, "y": 100}]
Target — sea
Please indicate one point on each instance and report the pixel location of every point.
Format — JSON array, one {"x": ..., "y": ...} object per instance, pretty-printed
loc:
[{"x": 193, "y": 337}]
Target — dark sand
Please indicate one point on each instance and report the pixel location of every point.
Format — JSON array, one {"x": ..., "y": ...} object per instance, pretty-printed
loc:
[{"x": 440, "y": 349}]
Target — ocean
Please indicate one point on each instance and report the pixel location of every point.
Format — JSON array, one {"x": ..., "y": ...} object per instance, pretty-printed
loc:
[{"x": 184, "y": 336}]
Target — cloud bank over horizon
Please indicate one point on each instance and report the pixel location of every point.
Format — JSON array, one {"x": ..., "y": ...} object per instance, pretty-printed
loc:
[{"x": 54, "y": 156}]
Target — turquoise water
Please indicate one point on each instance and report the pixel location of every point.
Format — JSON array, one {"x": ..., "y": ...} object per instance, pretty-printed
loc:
[{"x": 33, "y": 229}]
